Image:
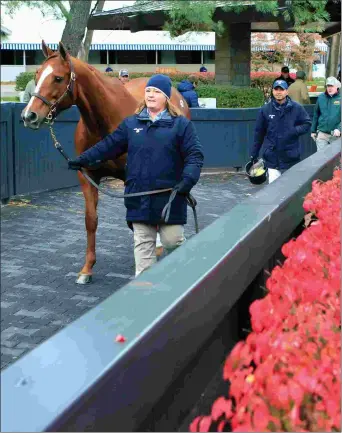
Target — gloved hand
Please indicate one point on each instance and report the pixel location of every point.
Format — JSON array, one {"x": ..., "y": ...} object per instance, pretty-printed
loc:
[
  {"x": 254, "y": 159},
  {"x": 336, "y": 133},
  {"x": 75, "y": 164},
  {"x": 182, "y": 187}
]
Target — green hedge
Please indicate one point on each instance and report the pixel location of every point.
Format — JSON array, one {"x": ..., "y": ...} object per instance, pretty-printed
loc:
[
  {"x": 226, "y": 96},
  {"x": 10, "y": 98},
  {"x": 22, "y": 79},
  {"x": 232, "y": 97}
]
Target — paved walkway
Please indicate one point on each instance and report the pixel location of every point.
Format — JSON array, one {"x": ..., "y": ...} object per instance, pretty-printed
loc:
[
  {"x": 8, "y": 90},
  {"x": 43, "y": 246}
]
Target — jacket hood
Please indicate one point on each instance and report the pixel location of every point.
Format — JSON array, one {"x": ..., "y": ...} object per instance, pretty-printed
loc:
[{"x": 185, "y": 86}]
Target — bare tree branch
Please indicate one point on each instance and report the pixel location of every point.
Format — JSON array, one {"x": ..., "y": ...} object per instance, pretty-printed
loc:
[
  {"x": 84, "y": 52},
  {"x": 75, "y": 28},
  {"x": 95, "y": 7},
  {"x": 63, "y": 9}
]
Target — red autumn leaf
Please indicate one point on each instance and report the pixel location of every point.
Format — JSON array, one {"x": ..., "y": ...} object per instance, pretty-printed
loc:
[
  {"x": 194, "y": 425},
  {"x": 221, "y": 407},
  {"x": 204, "y": 424},
  {"x": 221, "y": 426},
  {"x": 120, "y": 338},
  {"x": 261, "y": 417}
]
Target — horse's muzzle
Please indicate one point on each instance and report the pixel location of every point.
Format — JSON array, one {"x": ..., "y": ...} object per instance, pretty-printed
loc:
[{"x": 31, "y": 119}]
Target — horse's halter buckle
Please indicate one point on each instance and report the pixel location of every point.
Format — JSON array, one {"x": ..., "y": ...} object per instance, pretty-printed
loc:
[{"x": 49, "y": 118}]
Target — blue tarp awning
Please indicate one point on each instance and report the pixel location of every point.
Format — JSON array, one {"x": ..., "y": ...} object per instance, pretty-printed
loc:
[
  {"x": 121, "y": 47},
  {"x": 137, "y": 47}
]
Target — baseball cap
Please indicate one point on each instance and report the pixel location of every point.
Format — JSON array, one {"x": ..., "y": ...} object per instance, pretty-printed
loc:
[
  {"x": 123, "y": 73},
  {"x": 300, "y": 74},
  {"x": 280, "y": 83},
  {"x": 332, "y": 81}
]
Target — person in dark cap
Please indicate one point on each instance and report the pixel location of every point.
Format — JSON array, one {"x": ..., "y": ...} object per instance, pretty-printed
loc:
[
  {"x": 285, "y": 75},
  {"x": 279, "y": 125},
  {"x": 298, "y": 91},
  {"x": 123, "y": 76},
  {"x": 187, "y": 88},
  {"x": 326, "y": 122},
  {"x": 163, "y": 151}
]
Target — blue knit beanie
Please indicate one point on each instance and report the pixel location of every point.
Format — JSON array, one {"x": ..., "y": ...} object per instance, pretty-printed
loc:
[{"x": 162, "y": 83}]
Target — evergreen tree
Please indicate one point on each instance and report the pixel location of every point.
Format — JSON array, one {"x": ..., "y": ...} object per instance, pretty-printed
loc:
[{"x": 192, "y": 15}]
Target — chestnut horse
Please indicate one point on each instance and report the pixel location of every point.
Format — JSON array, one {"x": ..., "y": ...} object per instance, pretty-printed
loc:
[{"x": 103, "y": 102}]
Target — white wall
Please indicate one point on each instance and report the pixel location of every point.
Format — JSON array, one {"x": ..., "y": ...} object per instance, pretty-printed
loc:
[{"x": 9, "y": 72}]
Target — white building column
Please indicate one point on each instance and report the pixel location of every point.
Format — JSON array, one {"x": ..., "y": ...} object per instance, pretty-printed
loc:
[
  {"x": 107, "y": 57},
  {"x": 24, "y": 59},
  {"x": 156, "y": 57},
  {"x": 202, "y": 58}
]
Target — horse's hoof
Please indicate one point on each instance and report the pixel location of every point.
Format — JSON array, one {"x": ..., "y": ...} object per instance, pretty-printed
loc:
[{"x": 84, "y": 279}]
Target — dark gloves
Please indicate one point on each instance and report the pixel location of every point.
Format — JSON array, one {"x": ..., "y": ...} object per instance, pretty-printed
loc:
[
  {"x": 182, "y": 187},
  {"x": 75, "y": 164}
]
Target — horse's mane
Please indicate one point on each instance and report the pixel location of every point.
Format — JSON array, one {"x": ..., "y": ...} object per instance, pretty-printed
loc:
[
  {"x": 99, "y": 73},
  {"x": 96, "y": 72}
]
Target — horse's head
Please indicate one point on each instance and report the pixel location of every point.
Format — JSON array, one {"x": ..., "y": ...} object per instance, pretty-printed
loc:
[{"x": 54, "y": 88}]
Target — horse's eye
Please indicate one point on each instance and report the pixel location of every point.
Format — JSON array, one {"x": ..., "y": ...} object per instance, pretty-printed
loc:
[{"x": 58, "y": 79}]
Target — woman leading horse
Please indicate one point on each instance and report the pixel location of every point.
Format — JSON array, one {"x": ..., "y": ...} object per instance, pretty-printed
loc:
[
  {"x": 103, "y": 103},
  {"x": 163, "y": 151}
]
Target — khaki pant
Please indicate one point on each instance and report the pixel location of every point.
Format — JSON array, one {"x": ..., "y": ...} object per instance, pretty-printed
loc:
[
  {"x": 323, "y": 140},
  {"x": 171, "y": 236}
]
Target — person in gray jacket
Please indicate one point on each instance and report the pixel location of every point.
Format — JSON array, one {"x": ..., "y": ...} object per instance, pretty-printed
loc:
[{"x": 30, "y": 88}]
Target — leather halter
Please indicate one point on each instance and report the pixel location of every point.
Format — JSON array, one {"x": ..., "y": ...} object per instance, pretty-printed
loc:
[{"x": 54, "y": 105}]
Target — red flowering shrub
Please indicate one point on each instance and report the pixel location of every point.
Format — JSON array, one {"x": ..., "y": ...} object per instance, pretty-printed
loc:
[
  {"x": 264, "y": 80},
  {"x": 272, "y": 75},
  {"x": 286, "y": 375}
]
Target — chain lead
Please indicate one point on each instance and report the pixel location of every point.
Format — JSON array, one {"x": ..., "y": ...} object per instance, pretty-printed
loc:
[{"x": 166, "y": 211}]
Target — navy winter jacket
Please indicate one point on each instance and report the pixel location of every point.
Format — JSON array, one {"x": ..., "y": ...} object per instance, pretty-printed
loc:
[
  {"x": 160, "y": 154},
  {"x": 278, "y": 128},
  {"x": 187, "y": 89}
]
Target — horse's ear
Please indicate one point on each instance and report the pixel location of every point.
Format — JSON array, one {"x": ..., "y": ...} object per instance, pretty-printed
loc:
[
  {"x": 46, "y": 50},
  {"x": 63, "y": 51}
]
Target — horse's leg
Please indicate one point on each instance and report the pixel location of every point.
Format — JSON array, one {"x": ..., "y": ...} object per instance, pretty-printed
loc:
[
  {"x": 83, "y": 140},
  {"x": 91, "y": 196}
]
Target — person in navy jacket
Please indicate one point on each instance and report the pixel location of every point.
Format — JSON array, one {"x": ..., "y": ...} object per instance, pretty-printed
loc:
[
  {"x": 187, "y": 90},
  {"x": 163, "y": 151},
  {"x": 279, "y": 125}
]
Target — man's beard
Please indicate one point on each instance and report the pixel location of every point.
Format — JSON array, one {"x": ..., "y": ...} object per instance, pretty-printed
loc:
[{"x": 280, "y": 98}]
